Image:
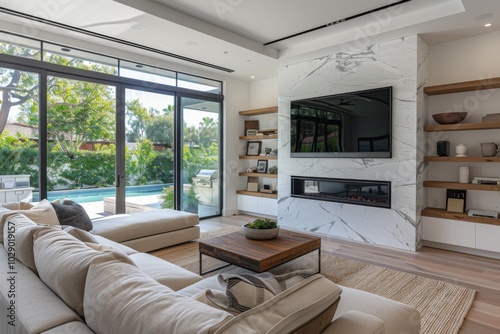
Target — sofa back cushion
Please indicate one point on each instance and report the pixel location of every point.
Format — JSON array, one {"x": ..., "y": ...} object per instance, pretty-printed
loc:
[
  {"x": 62, "y": 262},
  {"x": 18, "y": 238},
  {"x": 120, "y": 298}
]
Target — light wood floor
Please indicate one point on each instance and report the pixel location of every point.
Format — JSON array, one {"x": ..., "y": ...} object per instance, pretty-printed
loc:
[{"x": 479, "y": 273}]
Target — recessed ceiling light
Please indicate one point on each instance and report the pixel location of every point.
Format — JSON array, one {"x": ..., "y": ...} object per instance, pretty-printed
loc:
[
  {"x": 191, "y": 43},
  {"x": 137, "y": 27},
  {"x": 487, "y": 25},
  {"x": 252, "y": 77},
  {"x": 66, "y": 49}
]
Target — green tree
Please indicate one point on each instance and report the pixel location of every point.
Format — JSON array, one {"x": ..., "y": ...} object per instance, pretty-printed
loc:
[{"x": 208, "y": 132}]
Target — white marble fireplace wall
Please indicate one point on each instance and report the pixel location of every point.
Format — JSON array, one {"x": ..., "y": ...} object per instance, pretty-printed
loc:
[{"x": 398, "y": 64}]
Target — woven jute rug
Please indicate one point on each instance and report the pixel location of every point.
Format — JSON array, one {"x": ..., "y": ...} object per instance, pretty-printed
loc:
[{"x": 442, "y": 305}]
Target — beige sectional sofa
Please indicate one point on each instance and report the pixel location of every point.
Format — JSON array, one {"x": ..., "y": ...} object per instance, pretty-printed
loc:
[{"x": 55, "y": 280}]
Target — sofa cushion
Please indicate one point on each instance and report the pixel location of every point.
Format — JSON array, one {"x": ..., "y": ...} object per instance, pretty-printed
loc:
[
  {"x": 397, "y": 317},
  {"x": 72, "y": 214},
  {"x": 164, "y": 272},
  {"x": 37, "y": 308},
  {"x": 23, "y": 243},
  {"x": 62, "y": 262},
  {"x": 80, "y": 234},
  {"x": 356, "y": 322},
  {"x": 306, "y": 307},
  {"x": 41, "y": 213},
  {"x": 120, "y": 298}
]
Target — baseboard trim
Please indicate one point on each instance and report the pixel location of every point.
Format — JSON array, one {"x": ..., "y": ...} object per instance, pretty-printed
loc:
[{"x": 460, "y": 249}]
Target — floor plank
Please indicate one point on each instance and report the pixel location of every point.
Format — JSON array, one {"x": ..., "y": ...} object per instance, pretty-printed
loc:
[{"x": 479, "y": 273}]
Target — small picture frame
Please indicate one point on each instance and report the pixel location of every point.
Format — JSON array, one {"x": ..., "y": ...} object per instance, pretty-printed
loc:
[
  {"x": 253, "y": 148},
  {"x": 252, "y": 132},
  {"x": 455, "y": 200},
  {"x": 261, "y": 166}
]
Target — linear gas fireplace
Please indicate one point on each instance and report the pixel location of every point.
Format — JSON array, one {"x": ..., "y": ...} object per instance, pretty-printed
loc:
[{"x": 360, "y": 192}]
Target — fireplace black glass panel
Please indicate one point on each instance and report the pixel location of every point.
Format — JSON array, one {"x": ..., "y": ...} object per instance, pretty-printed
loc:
[{"x": 360, "y": 192}]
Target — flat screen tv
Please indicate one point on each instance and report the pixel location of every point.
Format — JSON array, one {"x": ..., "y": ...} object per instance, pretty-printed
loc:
[{"x": 348, "y": 125}]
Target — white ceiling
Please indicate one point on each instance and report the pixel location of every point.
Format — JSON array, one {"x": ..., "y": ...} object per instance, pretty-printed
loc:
[{"x": 231, "y": 33}]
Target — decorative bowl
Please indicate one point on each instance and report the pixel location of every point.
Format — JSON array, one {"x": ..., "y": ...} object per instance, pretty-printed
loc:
[
  {"x": 260, "y": 234},
  {"x": 450, "y": 117}
]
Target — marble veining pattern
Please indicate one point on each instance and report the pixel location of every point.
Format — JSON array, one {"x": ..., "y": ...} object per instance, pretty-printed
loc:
[{"x": 394, "y": 63}]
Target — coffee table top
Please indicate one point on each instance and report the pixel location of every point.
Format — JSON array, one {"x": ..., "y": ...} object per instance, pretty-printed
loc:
[{"x": 259, "y": 255}]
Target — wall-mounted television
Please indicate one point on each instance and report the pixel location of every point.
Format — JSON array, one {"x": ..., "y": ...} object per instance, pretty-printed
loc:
[{"x": 349, "y": 125}]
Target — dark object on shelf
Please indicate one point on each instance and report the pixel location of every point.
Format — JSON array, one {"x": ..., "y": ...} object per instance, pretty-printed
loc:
[
  {"x": 254, "y": 148},
  {"x": 450, "y": 117},
  {"x": 443, "y": 148},
  {"x": 251, "y": 125},
  {"x": 455, "y": 200}
]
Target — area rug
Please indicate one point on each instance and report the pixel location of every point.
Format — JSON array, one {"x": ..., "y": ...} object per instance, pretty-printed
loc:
[{"x": 442, "y": 305}]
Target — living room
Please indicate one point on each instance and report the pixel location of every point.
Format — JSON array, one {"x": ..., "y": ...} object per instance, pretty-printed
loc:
[{"x": 408, "y": 64}]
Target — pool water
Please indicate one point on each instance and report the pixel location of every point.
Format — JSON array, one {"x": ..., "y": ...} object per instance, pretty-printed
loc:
[{"x": 98, "y": 194}]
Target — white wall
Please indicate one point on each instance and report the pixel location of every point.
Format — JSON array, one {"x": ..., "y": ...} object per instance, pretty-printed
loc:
[{"x": 466, "y": 59}]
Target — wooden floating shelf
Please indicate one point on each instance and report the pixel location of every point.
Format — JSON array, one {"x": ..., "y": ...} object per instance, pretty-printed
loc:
[
  {"x": 271, "y": 176},
  {"x": 259, "y": 137},
  {"x": 465, "y": 186},
  {"x": 461, "y": 159},
  {"x": 257, "y": 194},
  {"x": 260, "y": 111},
  {"x": 259, "y": 157},
  {"x": 442, "y": 213},
  {"x": 466, "y": 86},
  {"x": 462, "y": 127}
]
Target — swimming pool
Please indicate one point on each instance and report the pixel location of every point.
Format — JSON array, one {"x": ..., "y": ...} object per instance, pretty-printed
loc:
[{"x": 98, "y": 194}]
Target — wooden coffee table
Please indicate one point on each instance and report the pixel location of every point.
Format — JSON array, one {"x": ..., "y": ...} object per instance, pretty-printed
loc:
[{"x": 259, "y": 255}]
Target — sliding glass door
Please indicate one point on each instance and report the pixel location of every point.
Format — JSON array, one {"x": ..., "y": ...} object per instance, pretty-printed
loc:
[{"x": 201, "y": 153}]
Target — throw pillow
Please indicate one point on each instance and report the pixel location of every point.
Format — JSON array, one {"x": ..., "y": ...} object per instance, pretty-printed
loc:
[
  {"x": 41, "y": 213},
  {"x": 72, "y": 214},
  {"x": 245, "y": 291}
]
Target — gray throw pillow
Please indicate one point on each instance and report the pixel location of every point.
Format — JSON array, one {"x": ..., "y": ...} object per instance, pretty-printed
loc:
[{"x": 72, "y": 214}]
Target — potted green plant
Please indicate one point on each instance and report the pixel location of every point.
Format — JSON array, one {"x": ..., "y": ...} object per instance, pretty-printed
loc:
[{"x": 261, "y": 229}]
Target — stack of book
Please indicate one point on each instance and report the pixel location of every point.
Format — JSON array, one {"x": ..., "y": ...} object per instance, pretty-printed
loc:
[{"x": 486, "y": 180}]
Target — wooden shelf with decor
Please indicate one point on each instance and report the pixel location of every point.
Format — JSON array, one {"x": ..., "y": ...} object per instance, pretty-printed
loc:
[
  {"x": 442, "y": 213},
  {"x": 258, "y": 137},
  {"x": 461, "y": 159},
  {"x": 462, "y": 127},
  {"x": 260, "y": 111},
  {"x": 256, "y": 201},
  {"x": 465, "y": 186},
  {"x": 483, "y": 231},
  {"x": 272, "y": 176},
  {"x": 466, "y": 86},
  {"x": 257, "y": 194},
  {"x": 258, "y": 157}
]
